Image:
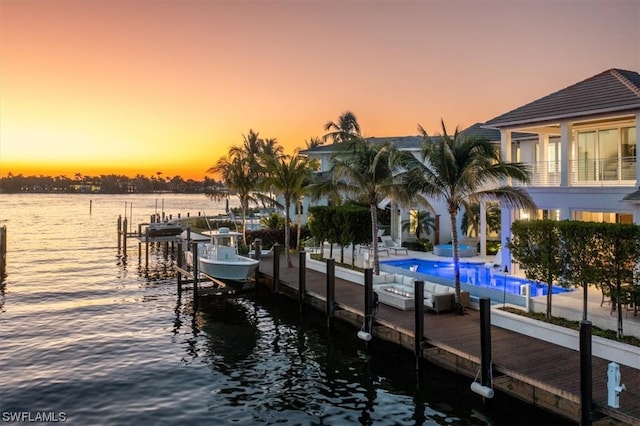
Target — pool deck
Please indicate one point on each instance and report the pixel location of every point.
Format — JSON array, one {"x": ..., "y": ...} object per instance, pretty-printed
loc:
[
  {"x": 568, "y": 305},
  {"x": 533, "y": 370}
]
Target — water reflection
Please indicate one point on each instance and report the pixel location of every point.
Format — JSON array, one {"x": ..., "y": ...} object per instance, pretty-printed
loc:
[
  {"x": 281, "y": 367},
  {"x": 231, "y": 332}
]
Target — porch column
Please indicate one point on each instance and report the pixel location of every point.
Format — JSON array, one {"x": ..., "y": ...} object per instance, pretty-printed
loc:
[
  {"x": 505, "y": 211},
  {"x": 396, "y": 230},
  {"x": 505, "y": 148},
  {"x": 565, "y": 153},
  {"x": 483, "y": 228},
  {"x": 543, "y": 164}
]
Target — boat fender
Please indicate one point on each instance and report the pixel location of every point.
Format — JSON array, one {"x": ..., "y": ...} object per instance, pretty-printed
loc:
[
  {"x": 363, "y": 335},
  {"x": 484, "y": 391}
]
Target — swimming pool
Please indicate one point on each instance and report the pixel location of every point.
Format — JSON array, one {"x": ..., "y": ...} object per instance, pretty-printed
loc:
[
  {"x": 446, "y": 250},
  {"x": 471, "y": 274}
]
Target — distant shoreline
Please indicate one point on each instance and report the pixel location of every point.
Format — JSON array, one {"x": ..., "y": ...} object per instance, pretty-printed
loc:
[{"x": 106, "y": 184}]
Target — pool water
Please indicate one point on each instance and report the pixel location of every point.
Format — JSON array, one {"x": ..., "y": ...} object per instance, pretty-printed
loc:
[{"x": 475, "y": 274}]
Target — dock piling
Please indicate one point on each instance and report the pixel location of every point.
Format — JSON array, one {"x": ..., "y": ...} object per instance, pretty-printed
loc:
[
  {"x": 194, "y": 251},
  {"x": 124, "y": 236},
  {"x": 276, "y": 268},
  {"x": 302, "y": 278},
  {"x": 179, "y": 262},
  {"x": 119, "y": 226},
  {"x": 146, "y": 247},
  {"x": 419, "y": 320},
  {"x": 365, "y": 331},
  {"x": 485, "y": 343},
  {"x": 331, "y": 291},
  {"x": 368, "y": 299},
  {"x": 139, "y": 243},
  {"x": 3, "y": 252},
  {"x": 586, "y": 379}
]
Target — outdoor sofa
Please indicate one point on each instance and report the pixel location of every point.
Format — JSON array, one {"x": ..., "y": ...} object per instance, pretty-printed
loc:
[{"x": 398, "y": 291}]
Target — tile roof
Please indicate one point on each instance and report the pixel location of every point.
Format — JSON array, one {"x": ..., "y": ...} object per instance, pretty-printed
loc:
[
  {"x": 479, "y": 130},
  {"x": 634, "y": 196},
  {"x": 613, "y": 90},
  {"x": 415, "y": 142}
]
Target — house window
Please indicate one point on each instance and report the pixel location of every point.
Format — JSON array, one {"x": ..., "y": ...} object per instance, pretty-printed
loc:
[
  {"x": 602, "y": 217},
  {"x": 628, "y": 141},
  {"x": 547, "y": 215},
  {"x": 608, "y": 143},
  {"x": 587, "y": 155},
  {"x": 606, "y": 154}
]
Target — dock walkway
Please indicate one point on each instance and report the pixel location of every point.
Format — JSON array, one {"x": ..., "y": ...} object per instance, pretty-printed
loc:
[{"x": 536, "y": 371}]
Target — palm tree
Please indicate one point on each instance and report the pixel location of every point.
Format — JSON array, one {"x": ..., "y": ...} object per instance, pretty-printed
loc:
[
  {"x": 423, "y": 222},
  {"x": 313, "y": 142},
  {"x": 470, "y": 223},
  {"x": 250, "y": 145},
  {"x": 242, "y": 171},
  {"x": 463, "y": 170},
  {"x": 253, "y": 147},
  {"x": 345, "y": 129},
  {"x": 370, "y": 173},
  {"x": 286, "y": 176},
  {"x": 271, "y": 147},
  {"x": 237, "y": 174}
]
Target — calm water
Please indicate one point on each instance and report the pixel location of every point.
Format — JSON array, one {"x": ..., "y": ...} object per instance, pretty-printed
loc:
[{"x": 93, "y": 339}]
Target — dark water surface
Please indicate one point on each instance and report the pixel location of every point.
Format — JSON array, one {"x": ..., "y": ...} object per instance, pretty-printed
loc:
[{"x": 91, "y": 338}]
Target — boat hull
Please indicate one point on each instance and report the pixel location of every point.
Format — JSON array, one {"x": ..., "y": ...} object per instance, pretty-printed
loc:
[{"x": 236, "y": 269}]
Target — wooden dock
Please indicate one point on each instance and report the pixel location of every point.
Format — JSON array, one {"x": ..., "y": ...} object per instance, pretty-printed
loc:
[{"x": 535, "y": 371}]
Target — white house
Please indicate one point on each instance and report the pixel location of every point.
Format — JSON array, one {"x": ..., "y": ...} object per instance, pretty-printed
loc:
[
  {"x": 580, "y": 143},
  {"x": 583, "y": 155}
]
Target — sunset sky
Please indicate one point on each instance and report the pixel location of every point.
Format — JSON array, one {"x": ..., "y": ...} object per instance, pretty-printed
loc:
[{"x": 141, "y": 86}]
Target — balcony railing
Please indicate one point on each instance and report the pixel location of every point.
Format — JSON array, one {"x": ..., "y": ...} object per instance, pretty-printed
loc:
[{"x": 586, "y": 172}]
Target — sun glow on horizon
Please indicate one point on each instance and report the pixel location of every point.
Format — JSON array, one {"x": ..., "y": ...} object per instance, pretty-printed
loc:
[{"x": 139, "y": 87}]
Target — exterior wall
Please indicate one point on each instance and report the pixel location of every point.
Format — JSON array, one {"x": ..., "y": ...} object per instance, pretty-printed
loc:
[
  {"x": 600, "y": 199},
  {"x": 558, "y": 185}
]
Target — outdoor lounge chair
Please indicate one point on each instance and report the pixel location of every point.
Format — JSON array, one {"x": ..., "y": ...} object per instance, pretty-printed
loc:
[
  {"x": 263, "y": 253},
  {"x": 382, "y": 248},
  {"x": 392, "y": 245}
]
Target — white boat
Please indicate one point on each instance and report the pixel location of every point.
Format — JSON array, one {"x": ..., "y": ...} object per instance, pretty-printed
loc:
[{"x": 220, "y": 259}]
